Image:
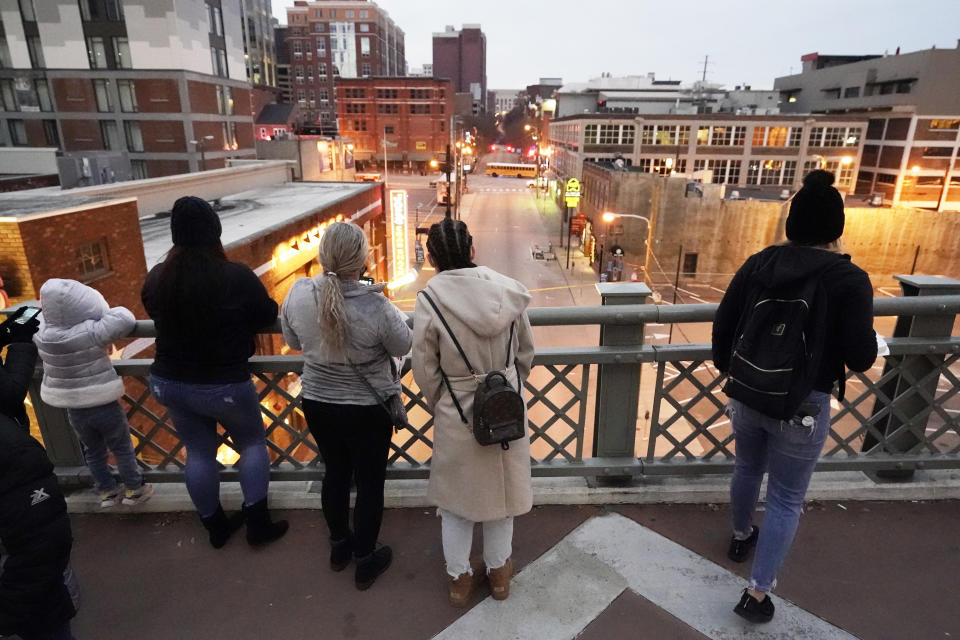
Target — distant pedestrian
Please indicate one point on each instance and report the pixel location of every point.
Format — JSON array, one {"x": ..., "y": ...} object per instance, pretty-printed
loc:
[
  {"x": 349, "y": 333},
  {"x": 207, "y": 312},
  {"x": 77, "y": 327},
  {"x": 471, "y": 483},
  {"x": 808, "y": 291}
]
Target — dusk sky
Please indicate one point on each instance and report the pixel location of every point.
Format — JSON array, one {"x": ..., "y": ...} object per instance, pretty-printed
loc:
[{"x": 747, "y": 41}]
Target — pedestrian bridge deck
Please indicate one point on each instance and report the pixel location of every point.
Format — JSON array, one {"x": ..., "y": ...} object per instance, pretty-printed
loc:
[{"x": 874, "y": 570}]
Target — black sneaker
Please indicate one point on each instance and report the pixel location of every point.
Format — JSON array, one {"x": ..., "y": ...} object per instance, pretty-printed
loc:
[
  {"x": 739, "y": 549},
  {"x": 371, "y": 566},
  {"x": 754, "y": 611}
]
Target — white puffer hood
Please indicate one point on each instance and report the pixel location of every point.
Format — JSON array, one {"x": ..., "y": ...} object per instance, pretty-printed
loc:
[
  {"x": 67, "y": 303},
  {"x": 480, "y": 298}
]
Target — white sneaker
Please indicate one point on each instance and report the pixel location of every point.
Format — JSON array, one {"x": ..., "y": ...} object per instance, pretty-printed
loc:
[
  {"x": 138, "y": 496},
  {"x": 111, "y": 498}
]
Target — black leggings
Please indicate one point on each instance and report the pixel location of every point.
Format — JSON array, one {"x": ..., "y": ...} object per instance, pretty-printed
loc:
[{"x": 354, "y": 441}]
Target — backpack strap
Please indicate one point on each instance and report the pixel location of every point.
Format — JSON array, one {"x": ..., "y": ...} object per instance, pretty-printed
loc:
[{"x": 443, "y": 375}]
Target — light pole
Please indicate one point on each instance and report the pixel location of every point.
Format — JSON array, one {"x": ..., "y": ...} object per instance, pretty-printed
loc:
[
  {"x": 610, "y": 216},
  {"x": 203, "y": 158}
]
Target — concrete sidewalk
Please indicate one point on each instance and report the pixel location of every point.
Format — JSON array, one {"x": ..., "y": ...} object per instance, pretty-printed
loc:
[{"x": 858, "y": 569}]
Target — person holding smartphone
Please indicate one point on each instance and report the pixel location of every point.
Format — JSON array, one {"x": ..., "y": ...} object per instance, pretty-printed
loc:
[{"x": 16, "y": 369}]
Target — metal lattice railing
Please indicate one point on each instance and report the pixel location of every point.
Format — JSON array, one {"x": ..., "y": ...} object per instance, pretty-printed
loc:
[{"x": 905, "y": 412}]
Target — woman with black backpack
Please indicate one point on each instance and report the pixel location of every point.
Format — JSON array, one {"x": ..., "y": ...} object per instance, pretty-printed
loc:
[
  {"x": 471, "y": 332},
  {"x": 793, "y": 317}
]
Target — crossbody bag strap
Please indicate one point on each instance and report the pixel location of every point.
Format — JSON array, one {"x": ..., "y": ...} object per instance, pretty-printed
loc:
[
  {"x": 446, "y": 380},
  {"x": 369, "y": 386}
]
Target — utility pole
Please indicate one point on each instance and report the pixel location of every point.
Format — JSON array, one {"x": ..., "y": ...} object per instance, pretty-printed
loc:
[
  {"x": 676, "y": 285},
  {"x": 447, "y": 171},
  {"x": 385, "y": 170}
]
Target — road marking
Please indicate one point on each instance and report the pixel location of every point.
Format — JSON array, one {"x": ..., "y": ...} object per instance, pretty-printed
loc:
[{"x": 565, "y": 589}]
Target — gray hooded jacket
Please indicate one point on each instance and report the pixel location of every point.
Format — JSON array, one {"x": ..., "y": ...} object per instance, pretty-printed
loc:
[
  {"x": 76, "y": 327},
  {"x": 378, "y": 331}
]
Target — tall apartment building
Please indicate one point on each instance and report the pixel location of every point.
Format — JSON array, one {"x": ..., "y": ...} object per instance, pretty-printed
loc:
[
  {"x": 461, "y": 56},
  {"x": 258, "y": 44},
  {"x": 912, "y": 105},
  {"x": 406, "y": 118},
  {"x": 331, "y": 39},
  {"x": 503, "y": 100},
  {"x": 163, "y": 80}
]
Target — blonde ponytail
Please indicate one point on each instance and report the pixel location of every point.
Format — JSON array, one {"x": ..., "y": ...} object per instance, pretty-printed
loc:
[{"x": 343, "y": 250}]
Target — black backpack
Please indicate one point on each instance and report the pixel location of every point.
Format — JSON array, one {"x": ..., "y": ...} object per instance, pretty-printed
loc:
[
  {"x": 499, "y": 412},
  {"x": 779, "y": 346}
]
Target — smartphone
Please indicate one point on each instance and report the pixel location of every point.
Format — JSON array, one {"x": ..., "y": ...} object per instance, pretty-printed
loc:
[
  {"x": 28, "y": 315},
  {"x": 367, "y": 280}
]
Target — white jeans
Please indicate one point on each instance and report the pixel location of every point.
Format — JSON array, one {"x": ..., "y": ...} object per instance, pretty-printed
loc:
[{"x": 457, "y": 535}]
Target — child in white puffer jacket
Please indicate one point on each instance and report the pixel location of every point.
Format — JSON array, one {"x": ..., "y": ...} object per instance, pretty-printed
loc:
[{"x": 77, "y": 327}]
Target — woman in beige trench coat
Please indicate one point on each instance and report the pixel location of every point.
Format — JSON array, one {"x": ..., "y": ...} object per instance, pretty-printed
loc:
[{"x": 469, "y": 482}]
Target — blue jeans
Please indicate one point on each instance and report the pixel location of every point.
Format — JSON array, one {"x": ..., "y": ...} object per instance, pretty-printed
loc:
[
  {"x": 195, "y": 410},
  {"x": 788, "y": 452},
  {"x": 102, "y": 430}
]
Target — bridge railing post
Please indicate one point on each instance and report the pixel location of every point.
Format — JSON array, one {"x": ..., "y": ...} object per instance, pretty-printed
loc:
[{"x": 60, "y": 441}]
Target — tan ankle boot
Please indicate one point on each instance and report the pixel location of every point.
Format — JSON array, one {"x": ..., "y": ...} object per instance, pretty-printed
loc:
[
  {"x": 500, "y": 580},
  {"x": 460, "y": 589}
]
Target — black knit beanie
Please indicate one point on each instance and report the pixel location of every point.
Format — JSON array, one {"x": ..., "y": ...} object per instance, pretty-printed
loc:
[
  {"x": 194, "y": 223},
  {"x": 816, "y": 213}
]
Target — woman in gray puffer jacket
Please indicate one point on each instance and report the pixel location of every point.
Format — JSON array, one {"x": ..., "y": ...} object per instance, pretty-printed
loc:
[{"x": 77, "y": 327}]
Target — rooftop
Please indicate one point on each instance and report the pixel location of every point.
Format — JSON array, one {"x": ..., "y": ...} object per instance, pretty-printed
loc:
[
  {"x": 257, "y": 212},
  {"x": 19, "y": 204}
]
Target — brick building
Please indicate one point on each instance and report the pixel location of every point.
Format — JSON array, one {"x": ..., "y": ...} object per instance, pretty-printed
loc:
[
  {"x": 330, "y": 39},
  {"x": 912, "y": 104},
  {"x": 158, "y": 79},
  {"x": 461, "y": 56},
  {"x": 411, "y": 114}
]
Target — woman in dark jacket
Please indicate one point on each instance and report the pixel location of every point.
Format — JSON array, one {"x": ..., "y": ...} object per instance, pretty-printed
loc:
[
  {"x": 17, "y": 371},
  {"x": 35, "y": 538},
  {"x": 789, "y": 449},
  {"x": 207, "y": 311}
]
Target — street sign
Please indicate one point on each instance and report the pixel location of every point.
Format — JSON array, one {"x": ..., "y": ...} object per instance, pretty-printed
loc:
[
  {"x": 572, "y": 201},
  {"x": 573, "y": 188}
]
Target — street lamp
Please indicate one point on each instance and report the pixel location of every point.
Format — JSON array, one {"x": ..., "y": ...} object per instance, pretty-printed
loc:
[
  {"x": 203, "y": 158},
  {"x": 609, "y": 216}
]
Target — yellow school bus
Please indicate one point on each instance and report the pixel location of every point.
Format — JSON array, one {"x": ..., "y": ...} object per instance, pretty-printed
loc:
[{"x": 511, "y": 170}]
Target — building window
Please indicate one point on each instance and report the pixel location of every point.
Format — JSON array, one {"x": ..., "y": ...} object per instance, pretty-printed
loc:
[
  {"x": 18, "y": 132},
  {"x": 111, "y": 135},
  {"x": 35, "y": 49},
  {"x": 50, "y": 133},
  {"x": 43, "y": 94},
  {"x": 355, "y": 93},
  {"x": 319, "y": 27},
  {"x": 97, "y": 53},
  {"x": 321, "y": 47},
  {"x": 216, "y": 20},
  {"x": 364, "y": 28},
  {"x": 323, "y": 95},
  {"x": 128, "y": 96},
  {"x": 689, "y": 264},
  {"x": 224, "y": 101},
  {"x": 885, "y": 178},
  {"x": 9, "y": 96},
  {"x": 121, "y": 53},
  {"x": 27, "y": 12},
  {"x": 301, "y": 96},
  {"x": 139, "y": 169},
  {"x": 937, "y": 152},
  {"x": 348, "y": 13},
  {"x": 92, "y": 260},
  {"x": 364, "y": 14},
  {"x": 358, "y": 107},
  {"x": 322, "y": 69},
  {"x": 945, "y": 124},
  {"x": 88, "y": 10},
  {"x": 5, "y": 62},
  {"x": 388, "y": 129},
  {"x": 851, "y": 92},
  {"x": 365, "y": 47},
  {"x": 365, "y": 70},
  {"x": 101, "y": 89},
  {"x": 796, "y": 133},
  {"x": 387, "y": 94},
  {"x": 114, "y": 10},
  {"x": 419, "y": 109},
  {"x": 131, "y": 128}
]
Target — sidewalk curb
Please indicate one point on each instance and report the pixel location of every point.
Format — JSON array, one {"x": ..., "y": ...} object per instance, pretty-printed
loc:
[{"x": 847, "y": 486}]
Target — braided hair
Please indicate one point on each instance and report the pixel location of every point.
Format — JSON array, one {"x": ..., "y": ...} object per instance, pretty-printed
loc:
[{"x": 449, "y": 243}]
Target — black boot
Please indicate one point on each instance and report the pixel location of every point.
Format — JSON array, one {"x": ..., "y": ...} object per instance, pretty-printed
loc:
[
  {"x": 221, "y": 527},
  {"x": 371, "y": 566},
  {"x": 341, "y": 553},
  {"x": 261, "y": 529}
]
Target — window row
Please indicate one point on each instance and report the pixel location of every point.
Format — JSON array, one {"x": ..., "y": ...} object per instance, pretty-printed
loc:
[
  {"x": 663, "y": 166},
  {"x": 777, "y": 136},
  {"x": 771, "y": 172},
  {"x": 390, "y": 108},
  {"x": 610, "y": 134},
  {"x": 24, "y": 95},
  {"x": 724, "y": 171},
  {"x": 835, "y": 136},
  {"x": 842, "y": 170},
  {"x": 347, "y": 13},
  {"x": 721, "y": 136},
  {"x": 665, "y": 134},
  {"x": 118, "y": 56},
  {"x": 100, "y": 10}
]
